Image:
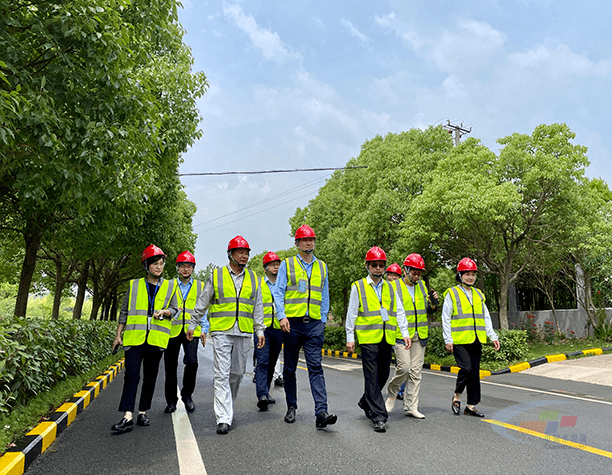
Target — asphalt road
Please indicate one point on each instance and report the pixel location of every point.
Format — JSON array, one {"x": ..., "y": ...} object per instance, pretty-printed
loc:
[{"x": 263, "y": 443}]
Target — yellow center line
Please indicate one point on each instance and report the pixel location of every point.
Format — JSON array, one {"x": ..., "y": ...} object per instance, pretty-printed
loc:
[{"x": 551, "y": 438}]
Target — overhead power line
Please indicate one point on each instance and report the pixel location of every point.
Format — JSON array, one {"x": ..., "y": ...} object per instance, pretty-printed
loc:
[{"x": 261, "y": 172}]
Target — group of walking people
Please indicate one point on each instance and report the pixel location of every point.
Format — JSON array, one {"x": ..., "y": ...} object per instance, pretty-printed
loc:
[
  {"x": 288, "y": 308},
  {"x": 390, "y": 316}
]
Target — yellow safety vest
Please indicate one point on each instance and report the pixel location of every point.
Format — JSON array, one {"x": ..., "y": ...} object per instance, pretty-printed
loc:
[
  {"x": 188, "y": 305},
  {"x": 227, "y": 306},
  {"x": 467, "y": 320},
  {"x": 137, "y": 328},
  {"x": 270, "y": 319},
  {"x": 369, "y": 325},
  {"x": 416, "y": 311},
  {"x": 300, "y": 304}
]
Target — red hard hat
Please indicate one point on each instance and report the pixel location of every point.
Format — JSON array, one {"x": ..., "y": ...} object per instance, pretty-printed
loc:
[
  {"x": 376, "y": 254},
  {"x": 270, "y": 257},
  {"x": 414, "y": 260},
  {"x": 186, "y": 257},
  {"x": 304, "y": 231},
  {"x": 151, "y": 251},
  {"x": 238, "y": 243},
  {"x": 466, "y": 264},
  {"x": 395, "y": 268}
]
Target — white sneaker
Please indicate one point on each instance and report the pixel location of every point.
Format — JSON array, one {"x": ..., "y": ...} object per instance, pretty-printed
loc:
[
  {"x": 390, "y": 404},
  {"x": 416, "y": 414}
]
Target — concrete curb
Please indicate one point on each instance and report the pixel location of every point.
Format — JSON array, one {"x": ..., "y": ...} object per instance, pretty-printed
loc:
[
  {"x": 17, "y": 459},
  {"x": 484, "y": 373}
]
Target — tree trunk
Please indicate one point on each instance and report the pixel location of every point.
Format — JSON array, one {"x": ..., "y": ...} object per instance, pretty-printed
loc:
[
  {"x": 82, "y": 288},
  {"x": 114, "y": 307},
  {"x": 504, "y": 285},
  {"x": 96, "y": 301},
  {"x": 32, "y": 244},
  {"x": 59, "y": 286}
]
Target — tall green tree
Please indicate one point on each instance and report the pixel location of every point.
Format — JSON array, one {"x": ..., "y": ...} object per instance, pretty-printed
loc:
[
  {"x": 98, "y": 102},
  {"x": 358, "y": 209},
  {"x": 502, "y": 210}
]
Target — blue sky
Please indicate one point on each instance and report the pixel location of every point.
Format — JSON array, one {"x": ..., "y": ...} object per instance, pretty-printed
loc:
[{"x": 301, "y": 84}]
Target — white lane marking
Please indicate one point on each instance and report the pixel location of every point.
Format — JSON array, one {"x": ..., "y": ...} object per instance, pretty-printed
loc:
[
  {"x": 339, "y": 366},
  {"x": 551, "y": 393},
  {"x": 189, "y": 457}
]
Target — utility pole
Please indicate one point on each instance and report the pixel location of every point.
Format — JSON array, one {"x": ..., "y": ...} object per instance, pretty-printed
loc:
[{"x": 457, "y": 131}]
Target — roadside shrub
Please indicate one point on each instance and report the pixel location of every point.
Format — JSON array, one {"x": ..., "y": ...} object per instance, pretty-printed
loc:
[
  {"x": 513, "y": 346},
  {"x": 37, "y": 353},
  {"x": 335, "y": 338}
]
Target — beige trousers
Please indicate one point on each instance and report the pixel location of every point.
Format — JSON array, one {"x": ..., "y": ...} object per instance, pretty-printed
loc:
[{"x": 408, "y": 369}]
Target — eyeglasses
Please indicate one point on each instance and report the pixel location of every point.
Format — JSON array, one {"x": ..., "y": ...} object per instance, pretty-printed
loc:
[{"x": 379, "y": 265}]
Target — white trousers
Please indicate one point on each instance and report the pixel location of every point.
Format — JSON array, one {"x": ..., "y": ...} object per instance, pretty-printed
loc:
[
  {"x": 230, "y": 356},
  {"x": 408, "y": 369}
]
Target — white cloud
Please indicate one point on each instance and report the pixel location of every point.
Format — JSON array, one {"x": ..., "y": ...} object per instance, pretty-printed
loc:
[
  {"x": 402, "y": 30},
  {"x": 355, "y": 32},
  {"x": 270, "y": 44}
]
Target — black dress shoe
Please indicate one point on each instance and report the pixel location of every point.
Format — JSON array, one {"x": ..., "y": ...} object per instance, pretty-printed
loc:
[
  {"x": 143, "y": 420},
  {"x": 189, "y": 404},
  {"x": 278, "y": 382},
  {"x": 473, "y": 412},
  {"x": 380, "y": 426},
  {"x": 170, "y": 408},
  {"x": 271, "y": 400},
  {"x": 456, "y": 407},
  {"x": 368, "y": 412},
  {"x": 263, "y": 403},
  {"x": 122, "y": 426},
  {"x": 324, "y": 419},
  {"x": 290, "y": 416},
  {"x": 223, "y": 428}
]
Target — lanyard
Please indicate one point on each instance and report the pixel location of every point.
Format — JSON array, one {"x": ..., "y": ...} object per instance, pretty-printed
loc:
[{"x": 152, "y": 300}]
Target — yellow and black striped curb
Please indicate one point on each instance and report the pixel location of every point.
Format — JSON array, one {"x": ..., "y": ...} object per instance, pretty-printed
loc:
[
  {"x": 484, "y": 373},
  {"x": 17, "y": 459}
]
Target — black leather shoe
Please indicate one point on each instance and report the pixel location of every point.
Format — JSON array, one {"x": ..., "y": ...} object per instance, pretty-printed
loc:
[
  {"x": 122, "y": 426},
  {"x": 271, "y": 400},
  {"x": 380, "y": 426},
  {"x": 456, "y": 407},
  {"x": 263, "y": 403},
  {"x": 473, "y": 412},
  {"x": 290, "y": 416},
  {"x": 143, "y": 420},
  {"x": 368, "y": 412},
  {"x": 170, "y": 408},
  {"x": 278, "y": 382},
  {"x": 324, "y": 419},
  {"x": 223, "y": 428},
  {"x": 189, "y": 404}
]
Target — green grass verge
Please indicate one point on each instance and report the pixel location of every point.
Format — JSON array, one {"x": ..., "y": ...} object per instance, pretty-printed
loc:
[{"x": 22, "y": 419}]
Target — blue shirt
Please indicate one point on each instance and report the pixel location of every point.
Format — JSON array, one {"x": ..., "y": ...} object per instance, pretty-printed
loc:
[
  {"x": 185, "y": 288},
  {"x": 281, "y": 285}
]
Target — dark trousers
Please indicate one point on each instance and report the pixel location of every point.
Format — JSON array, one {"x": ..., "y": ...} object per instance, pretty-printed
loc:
[
  {"x": 310, "y": 336},
  {"x": 148, "y": 357},
  {"x": 190, "y": 360},
  {"x": 376, "y": 363},
  {"x": 468, "y": 360},
  {"x": 266, "y": 360}
]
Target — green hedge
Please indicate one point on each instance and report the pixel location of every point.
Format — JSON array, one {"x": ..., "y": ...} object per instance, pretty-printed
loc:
[
  {"x": 37, "y": 353},
  {"x": 513, "y": 346}
]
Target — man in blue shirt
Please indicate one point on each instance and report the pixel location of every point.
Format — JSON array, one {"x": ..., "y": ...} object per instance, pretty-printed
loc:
[{"x": 302, "y": 303}]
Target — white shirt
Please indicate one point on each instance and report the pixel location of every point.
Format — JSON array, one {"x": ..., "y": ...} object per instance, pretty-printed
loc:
[
  {"x": 447, "y": 312},
  {"x": 353, "y": 310}
]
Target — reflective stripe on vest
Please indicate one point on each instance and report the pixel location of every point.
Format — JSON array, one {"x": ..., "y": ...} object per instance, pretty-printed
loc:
[
  {"x": 416, "y": 311},
  {"x": 227, "y": 306},
  {"x": 298, "y": 304},
  {"x": 467, "y": 321},
  {"x": 269, "y": 310},
  {"x": 369, "y": 325},
  {"x": 137, "y": 328},
  {"x": 188, "y": 305}
]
